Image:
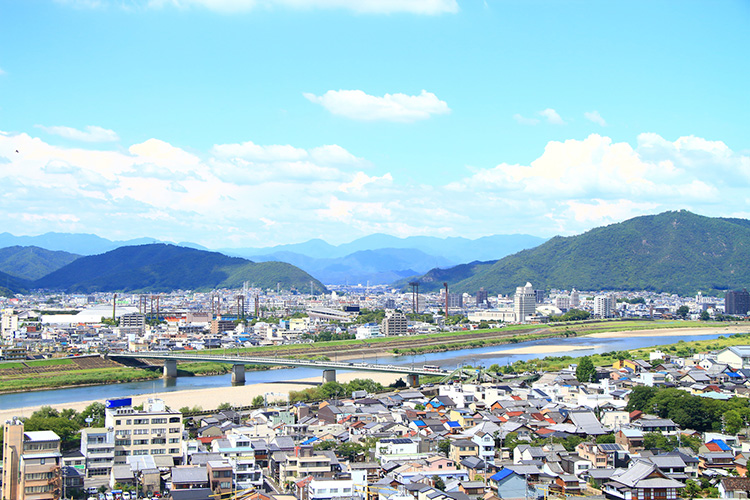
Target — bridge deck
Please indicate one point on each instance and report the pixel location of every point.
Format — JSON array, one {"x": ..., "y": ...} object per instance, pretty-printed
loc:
[{"x": 251, "y": 360}]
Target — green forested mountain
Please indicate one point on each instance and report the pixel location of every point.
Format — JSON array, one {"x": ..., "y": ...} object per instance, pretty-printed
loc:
[
  {"x": 10, "y": 285},
  {"x": 162, "y": 268},
  {"x": 32, "y": 262},
  {"x": 677, "y": 252}
]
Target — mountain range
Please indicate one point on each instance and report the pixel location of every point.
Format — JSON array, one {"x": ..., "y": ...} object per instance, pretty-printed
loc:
[
  {"x": 678, "y": 252},
  {"x": 162, "y": 268},
  {"x": 376, "y": 259}
]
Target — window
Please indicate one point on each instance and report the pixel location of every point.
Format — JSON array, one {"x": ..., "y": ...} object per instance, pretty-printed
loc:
[
  {"x": 158, "y": 420},
  {"x": 122, "y": 442},
  {"x": 174, "y": 451},
  {"x": 159, "y": 431},
  {"x": 139, "y": 442},
  {"x": 174, "y": 430},
  {"x": 174, "y": 440},
  {"x": 158, "y": 451},
  {"x": 140, "y": 421}
]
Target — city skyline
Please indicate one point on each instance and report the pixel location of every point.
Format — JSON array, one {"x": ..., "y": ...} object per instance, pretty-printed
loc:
[{"x": 235, "y": 123}]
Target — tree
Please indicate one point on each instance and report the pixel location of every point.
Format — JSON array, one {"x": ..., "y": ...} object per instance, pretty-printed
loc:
[
  {"x": 691, "y": 489},
  {"x": 94, "y": 411},
  {"x": 444, "y": 446},
  {"x": 258, "y": 401},
  {"x": 705, "y": 316},
  {"x": 494, "y": 368},
  {"x": 225, "y": 406},
  {"x": 438, "y": 483},
  {"x": 732, "y": 421},
  {"x": 585, "y": 371},
  {"x": 682, "y": 311},
  {"x": 640, "y": 397}
]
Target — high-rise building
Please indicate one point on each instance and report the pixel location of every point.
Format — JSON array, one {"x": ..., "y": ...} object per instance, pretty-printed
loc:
[
  {"x": 604, "y": 306},
  {"x": 539, "y": 296},
  {"x": 155, "y": 430},
  {"x": 394, "y": 323},
  {"x": 737, "y": 302},
  {"x": 524, "y": 303},
  {"x": 9, "y": 323},
  {"x": 575, "y": 301},
  {"x": 482, "y": 297},
  {"x": 31, "y": 463},
  {"x": 562, "y": 302}
]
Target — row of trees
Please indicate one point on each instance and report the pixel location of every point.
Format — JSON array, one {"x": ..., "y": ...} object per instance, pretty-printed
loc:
[
  {"x": 334, "y": 390},
  {"x": 692, "y": 412}
]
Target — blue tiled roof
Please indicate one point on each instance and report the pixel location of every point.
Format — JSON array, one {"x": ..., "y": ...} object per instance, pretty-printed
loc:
[
  {"x": 500, "y": 475},
  {"x": 722, "y": 445},
  {"x": 310, "y": 441},
  {"x": 453, "y": 423}
]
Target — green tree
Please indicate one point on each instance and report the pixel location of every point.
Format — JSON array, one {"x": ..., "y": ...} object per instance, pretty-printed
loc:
[
  {"x": 640, "y": 397},
  {"x": 585, "y": 371},
  {"x": 691, "y": 489},
  {"x": 494, "y": 368},
  {"x": 258, "y": 401},
  {"x": 682, "y": 311},
  {"x": 705, "y": 316},
  {"x": 438, "y": 483},
  {"x": 94, "y": 411},
  {"x": 733, "y": 421},
  {"x": 225, "y": 406},
  {"x": 444, "y": 446}
]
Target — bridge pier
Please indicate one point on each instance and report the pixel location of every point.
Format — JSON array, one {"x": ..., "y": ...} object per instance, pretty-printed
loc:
[
  {"x": 170, "y": 368},
  {"x": 329, "y": 376},
  {"x": 412, "y": 380},
  {"x": 238, "y": 374}
]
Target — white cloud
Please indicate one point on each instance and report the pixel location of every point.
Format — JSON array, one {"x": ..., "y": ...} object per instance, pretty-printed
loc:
[
  {"x": 552, "y": 116},
  {"x": 92, "y": 133},
  {"x": 276, "y": 193},
  {"x": 423, "y": 7},
  {"x": 358, "y": 105},
  {"x": 595, "y": 117},
  {"x": 525, "y": 121}
]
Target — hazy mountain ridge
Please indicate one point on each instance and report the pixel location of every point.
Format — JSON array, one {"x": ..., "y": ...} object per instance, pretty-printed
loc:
[
  {"x": 677, "y": 252},
  {"x": 381, "y": 266},
  {"x": 163, "y": 268}
]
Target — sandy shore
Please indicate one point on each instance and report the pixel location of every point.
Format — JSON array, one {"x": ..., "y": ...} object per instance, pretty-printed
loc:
[
  {"x": 212, "y": 398},
  {"x": 545, "y": 349},
  {"x": 669, "y": 332}
]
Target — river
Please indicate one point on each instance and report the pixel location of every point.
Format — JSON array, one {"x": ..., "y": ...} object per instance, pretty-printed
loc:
[{"x": 485, "y": 356}]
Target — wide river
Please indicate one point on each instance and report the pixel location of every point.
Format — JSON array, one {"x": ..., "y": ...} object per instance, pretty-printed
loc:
[{"x": 485, "y": 356}]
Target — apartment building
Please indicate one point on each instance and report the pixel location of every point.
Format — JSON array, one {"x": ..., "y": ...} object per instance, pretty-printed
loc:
[
  {"x": 155, "y": 430},
  {"x": 31, "y": 463}
]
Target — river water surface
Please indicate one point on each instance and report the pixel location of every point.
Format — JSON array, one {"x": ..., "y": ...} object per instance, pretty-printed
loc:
[{"x": 485, "y": 356}]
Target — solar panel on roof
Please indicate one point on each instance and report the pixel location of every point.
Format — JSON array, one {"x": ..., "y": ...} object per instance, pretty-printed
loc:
[{"x": 609, "y": 446}]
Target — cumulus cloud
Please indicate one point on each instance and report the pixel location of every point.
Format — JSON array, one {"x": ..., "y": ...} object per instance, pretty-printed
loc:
[
  {"x": 91, "y": 133},
  {"x": 423, "y": 7},
  {"x": 551, "y": 116},
  {"x": 358, "y": 105},
  {"x": 595, "y": 117},
  {"x": 252, "y": 194}
]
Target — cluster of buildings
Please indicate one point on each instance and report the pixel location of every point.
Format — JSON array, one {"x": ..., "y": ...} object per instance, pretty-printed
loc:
[{"x": 491, "y": 439}]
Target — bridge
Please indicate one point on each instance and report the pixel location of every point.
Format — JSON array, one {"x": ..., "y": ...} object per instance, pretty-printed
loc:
[{"x": 238, "y": 363}]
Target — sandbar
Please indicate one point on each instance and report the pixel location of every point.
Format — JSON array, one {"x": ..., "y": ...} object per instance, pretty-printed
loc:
[{"x": 213, "y": 397}]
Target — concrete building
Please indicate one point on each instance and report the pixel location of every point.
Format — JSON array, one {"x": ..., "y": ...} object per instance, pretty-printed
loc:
[
  {"x": 151, "y": 431},
  {"x": 482, "y": 298},
  {"x": 9, "y": 322},
  {"x": 604, "y": 306},
  {"x": 98, "y": 449},
  {"x": 524, "y": 303},
  {"x": 737, "y": 302},
  {"x": 562, "y": 302},
  {"x": 32, "y": 464},
  {"x": 394, "y": 323},
  {"x": 575, "y": 300}
]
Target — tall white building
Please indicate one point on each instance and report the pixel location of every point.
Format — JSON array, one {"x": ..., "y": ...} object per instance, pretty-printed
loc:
[
  {"x": 575, "y": 300},
  {"x": 9, "y": 323},
  {"x": 524, "y": 302},
  {"x": 155, "y": 430},
  {"x": 562, "y": 302},
  {"x": 604, "y": 306}
]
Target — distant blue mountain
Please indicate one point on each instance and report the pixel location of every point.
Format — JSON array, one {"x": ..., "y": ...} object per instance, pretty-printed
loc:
[
  {"x": 454, "y": 249},
  {"x": 378, "y": 267},
  {"x": 77, "y": 243}
]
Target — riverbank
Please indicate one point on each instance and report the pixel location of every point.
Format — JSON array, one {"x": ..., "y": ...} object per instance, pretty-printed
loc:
[
  {"x": 660, "y": 332},
  {"x": 212, "y": 398}
]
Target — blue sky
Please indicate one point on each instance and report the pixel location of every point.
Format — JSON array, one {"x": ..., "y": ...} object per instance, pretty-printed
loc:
[{"x": 259, "y": 122}]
